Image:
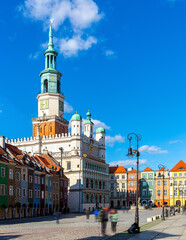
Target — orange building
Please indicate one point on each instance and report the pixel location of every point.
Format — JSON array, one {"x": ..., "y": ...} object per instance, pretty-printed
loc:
[
  {"x": 132, "y": 187},
  {"x": 159, "y": 188}
]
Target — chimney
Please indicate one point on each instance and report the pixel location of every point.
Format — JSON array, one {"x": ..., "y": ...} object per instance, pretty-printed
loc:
[
  {"x": 2, "y": 142},
  {"x": 45, "y": 151}
]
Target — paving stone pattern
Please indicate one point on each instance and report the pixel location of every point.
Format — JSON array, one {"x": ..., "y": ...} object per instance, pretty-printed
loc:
[{"x": 71, "y": 227}]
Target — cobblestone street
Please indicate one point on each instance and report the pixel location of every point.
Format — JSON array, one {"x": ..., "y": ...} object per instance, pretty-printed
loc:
[{"x": 71, "y": 227}]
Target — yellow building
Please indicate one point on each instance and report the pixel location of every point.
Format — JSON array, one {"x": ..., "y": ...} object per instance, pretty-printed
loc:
[{"x": 178, "y": 184}]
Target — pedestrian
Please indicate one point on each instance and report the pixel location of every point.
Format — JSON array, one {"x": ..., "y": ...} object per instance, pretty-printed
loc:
[
  {"x": 103, "y": 218},
  {"x": 96, "y": 215},
  {"x": 87, "y": 213},
  {"x": 57, "y": 217},
  {"x": 113, "y": 219}
]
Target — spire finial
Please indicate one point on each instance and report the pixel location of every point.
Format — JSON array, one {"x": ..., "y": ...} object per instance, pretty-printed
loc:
[{"x": 50, "y": 44}]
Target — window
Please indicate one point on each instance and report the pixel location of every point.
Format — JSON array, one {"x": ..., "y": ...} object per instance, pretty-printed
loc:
[
  {"x": 131, "y": 176},
  {"x": 150, "y": 175},
  {"x": 123, "y": 176},
  {"x": 112, "y": 177},
  {"x": 135, "y": 183},
  {"x": 30, "y": 179},
  {"x": 61, "y": 183},
  {"x": 50, "y": 128},
  {"x": 184, "y": 182},
  {"x": 38, "y": 193},
  {"x": 185, "y": 192},
  {"x": 45, "y": 86},
  {"x": 184, "y": 174},
  {"x": 35, "y": 179},
  {"x": 175, "y": 174},
  {"x": 165, "y": 192},
  {"x": 144, "y": 192},
  {"x": 68, "y": 165},
  {"x": 180, "y": 174},
  {"x": 54, "y": 184},
  {"x": 57, "y": 196},
  {"x": 181, "y": 192},
  {"x": 150, "y": 192},
  {"x": 42, "y": 180},
  {"x": 112, "y": 185},
  {"x": 112, "y": 194},
  {"x": 144, "y": 184},
  {"x": 11, "y": 174},
  {"x": 2, "y": 189},
  {"x": 144, "y": 176},
  {"x": 175, "y": 182},
  {"x": 30, "y": 193},
  {"x": 38, "y": 180},
  {"x": 18, "y": 192},
  {"x": 150, "y": 183},
  {"x": 54, "y": 196},
  {"x": 24, "y": 192},
  {"x": 158, "y": 193},
  {"x": 42, "y": 194},
  {"x": 131, "y": 184},
  {"x": 61, "y": 195},
  {"x": 165, "y": 183},
  {"x": 11, "y": 190},
  {"x": 2, "y": 172},
  {"x": 175, "y": 192},
  {"x": 123, "y": 185},
  {"x": 180, "y": 183},
  {"x": 57, "y": 185},
  {"x": 35, "y": 193},
  {"x": 18, "y": 176},
  {"x": 117, "y": 176},
  {"x": 117, "y": 185}
]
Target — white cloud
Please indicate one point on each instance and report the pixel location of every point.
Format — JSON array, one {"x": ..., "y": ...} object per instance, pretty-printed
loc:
[
  {"x": 98, "y": 123},
  {"x": 67, "y": 107},
  {"x": 152, "y": 149},
  {"x": 109, "y": 53},
  {"x": 34, "y": 55},
  {"x": 128, "y": 162},
  {"x": 175, "y": 141},
  {"x": 71, "y": 47},
  {"x": 80, "y": 13},
  {"x": 110, "y": 141}
]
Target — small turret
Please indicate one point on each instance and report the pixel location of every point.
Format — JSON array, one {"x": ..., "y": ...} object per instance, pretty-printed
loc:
[
  {"x": 100, "y": 136},
  {"x": 76, "y": 124},
  {"x": 88, "y": 125}
]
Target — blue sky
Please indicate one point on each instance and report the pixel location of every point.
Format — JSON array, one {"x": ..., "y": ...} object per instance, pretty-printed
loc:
[{"x": 123, "y": 60}]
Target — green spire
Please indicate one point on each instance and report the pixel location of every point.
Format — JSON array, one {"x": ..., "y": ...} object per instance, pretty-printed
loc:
[
  {"x": 50, "y": 44},
  {"x": 88, "y": 119}
]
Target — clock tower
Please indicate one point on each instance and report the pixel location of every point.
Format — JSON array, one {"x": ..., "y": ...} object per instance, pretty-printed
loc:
[{"x": 50, "y": 100}]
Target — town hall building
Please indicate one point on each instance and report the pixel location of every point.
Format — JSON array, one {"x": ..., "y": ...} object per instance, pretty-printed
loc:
[{"x": 81, "y": 154}]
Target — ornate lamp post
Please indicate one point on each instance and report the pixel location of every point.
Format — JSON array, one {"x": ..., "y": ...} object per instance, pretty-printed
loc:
[
  {"x": 162, "y": 175},
  {"x": 135, "y": 227}
]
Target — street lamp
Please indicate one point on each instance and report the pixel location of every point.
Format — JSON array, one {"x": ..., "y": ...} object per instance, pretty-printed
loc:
[
  {"x": 61, "y": 149},
  {"x": 135, "y": 227},
  {"x": 162, "y": 175}
]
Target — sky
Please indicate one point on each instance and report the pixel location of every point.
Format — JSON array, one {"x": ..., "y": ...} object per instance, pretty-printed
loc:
[{"x": 123, "y": 60}]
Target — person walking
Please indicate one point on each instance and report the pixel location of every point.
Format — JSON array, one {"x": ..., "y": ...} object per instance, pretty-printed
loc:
[
  {"x": 57, "y": 217},
  {"x": 113, "y": 219},
  {"x": 103, "y": 218},
  {"x": 96, "y": 215},
  {"x": 87, "y": 213}
]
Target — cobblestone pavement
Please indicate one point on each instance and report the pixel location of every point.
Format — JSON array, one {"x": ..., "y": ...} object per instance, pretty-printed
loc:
[{"x": 71, "y": 227}]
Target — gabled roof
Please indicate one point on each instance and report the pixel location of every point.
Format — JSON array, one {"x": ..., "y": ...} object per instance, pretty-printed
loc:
[
  {"x": 180, "y": 166},
  {"x": 14, "y": 151},
  {"x": 133, "y": 171},
  {"x": 118, "y": 169},
  {"x": 147, "y": 169}
]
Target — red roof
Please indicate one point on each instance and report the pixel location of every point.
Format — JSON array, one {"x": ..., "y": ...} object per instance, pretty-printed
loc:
[
  {"x": 162, "y": 169},
  {"x": 118, "y": 169},
  {"x": 147, "y": 169},
  {"x": 133, "y": 171},
  {"x": 180, "y": 166}
]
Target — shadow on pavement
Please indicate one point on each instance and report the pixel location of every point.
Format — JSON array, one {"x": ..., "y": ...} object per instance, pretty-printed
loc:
[
  {"x": 7, "y": 237},
  {"x": 37, "y": 219}
]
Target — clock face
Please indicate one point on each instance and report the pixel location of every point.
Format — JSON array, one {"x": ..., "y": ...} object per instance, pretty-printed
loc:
[
  {"x": 44, "y": 104},
  {"x": 52, "y": 78},
  {"x": 61, "y": 106}
]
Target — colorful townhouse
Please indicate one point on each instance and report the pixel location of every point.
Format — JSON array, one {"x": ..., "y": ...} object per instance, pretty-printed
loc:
[
  {"x": 26, "y": 184},
  {"x": 178, "y": 184},
  {"x": 159, "y": 188},
  {"x": 118, "y": 186},
  {"x": 132, "y": 186},
  {"x": 147, "y": 187}
]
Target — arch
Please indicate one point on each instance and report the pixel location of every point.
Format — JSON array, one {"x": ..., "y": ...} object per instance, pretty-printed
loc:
[
  {"x": 87, "y": 183},
  {"x": 178, "y": 203},
  {"x": 150, "y": 202},
  {"x": 92, "y": 198},
  {"x": 96, "y": 184},
  {"x": 45, "y": 86},
  {"x": 87, "y": 197},
  {"x": 144, "y": 202},
  {"x": 130, "y": 203}
]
